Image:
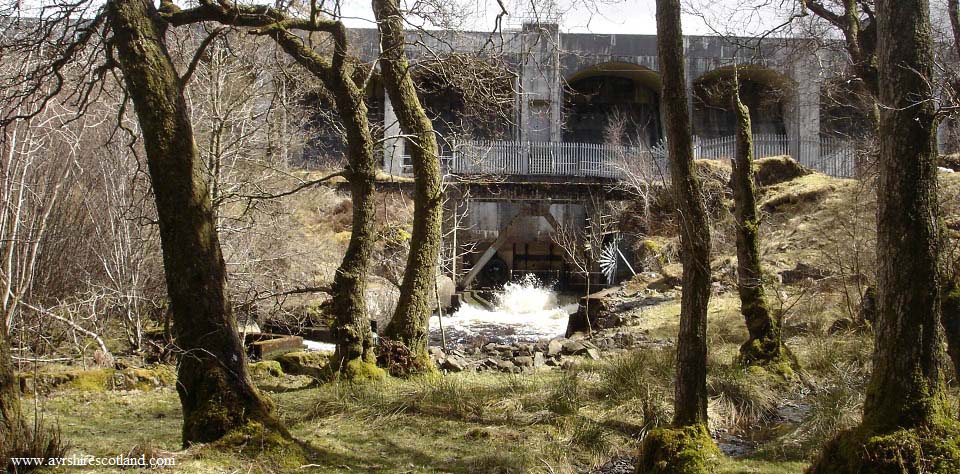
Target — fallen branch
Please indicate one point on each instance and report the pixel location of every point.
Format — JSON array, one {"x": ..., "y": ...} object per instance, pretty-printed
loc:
[{"x": 75, "y": 326}]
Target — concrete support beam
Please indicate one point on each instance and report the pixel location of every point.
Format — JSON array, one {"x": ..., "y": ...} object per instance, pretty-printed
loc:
[
  {"x": 541, "y": 94},
  {"x": 802, "y": 110},
  {"x": 392, "y": 145},
  {"x": 490, "y": 252}
]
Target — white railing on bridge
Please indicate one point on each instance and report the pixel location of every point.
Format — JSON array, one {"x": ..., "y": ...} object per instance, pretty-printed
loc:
[
  {"x": 540, "y": 158},
  {"x": 831, "y": 156}
]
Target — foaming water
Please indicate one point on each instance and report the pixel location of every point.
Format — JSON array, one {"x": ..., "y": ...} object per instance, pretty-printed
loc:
[{"x": 523, "y": 311}]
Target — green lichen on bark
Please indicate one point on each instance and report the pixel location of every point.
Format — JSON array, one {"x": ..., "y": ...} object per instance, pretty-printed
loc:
[
  {"x": 687, "y": 450},
  {"x": 690, "y": 403},
  {"x": 764, "y": 345},
  {"x": 950, "y": 317},
  {"x": 906, "y": 427},
  {"x": 932, "y": 448},
  {"x": 215, "y": 390},
  {"x": 351, "y": 328},
  {"x": 411, "y": 318}
]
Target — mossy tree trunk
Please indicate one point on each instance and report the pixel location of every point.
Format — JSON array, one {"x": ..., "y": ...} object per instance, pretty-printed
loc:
[
  {"x": 411, "y": 319},
  {"x": 906, "y": 385},
  {"x": 11, "y": 417},
  {"x": 215, "y": 390},
  {"x": 352, "y": 326},
  {"x": 763, "y": 344},
  {"x": 950, "y": 317},
  {"x": 690, "y": 405},
  {"x": 352, "y": 322}
]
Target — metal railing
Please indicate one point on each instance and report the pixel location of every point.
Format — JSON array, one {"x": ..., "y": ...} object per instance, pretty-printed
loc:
[
  {"x": 539, "y": 158},
  {"x": 831, "y": 156}
]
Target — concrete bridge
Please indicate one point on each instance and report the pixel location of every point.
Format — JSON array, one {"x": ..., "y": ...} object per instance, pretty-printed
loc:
[{"x": 550, "y": 162}]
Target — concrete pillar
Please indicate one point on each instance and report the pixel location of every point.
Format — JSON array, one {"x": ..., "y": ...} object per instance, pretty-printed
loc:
[
  {"x": 541, "y": 94},
  {"x": 392, "y": 144},
  {"x": 802, "y": 110}
]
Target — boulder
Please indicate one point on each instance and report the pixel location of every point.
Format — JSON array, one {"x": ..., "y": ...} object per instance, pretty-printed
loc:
[
  {"x": 573, "y": 348},
  {"x": 555, "y": 346},
  {"x": 538, "y": 360},
  {"x": 506, "y": 366},
  {"x": 312, "y": 364},
  {"x": 523, "y": 361},
  {"x": 265, "y": 368},
  {"x": 802, "y": 272},
  {"x": 286, "y": 383},
  {"x": 454, "y": 363}
]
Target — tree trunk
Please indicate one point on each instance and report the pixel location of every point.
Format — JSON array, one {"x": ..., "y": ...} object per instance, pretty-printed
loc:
[
  {"x": 11, "y": 418},
  {"x": 352, "y": 326},
  {"x": 906, "y": 386},
  {"x": 410, "y": 321},
  {"x": 764, "y": 342},
  {"x": 215, "y": 390},
  {"x": 690, "y": 404},
  {"x": 953, "y": 9}
]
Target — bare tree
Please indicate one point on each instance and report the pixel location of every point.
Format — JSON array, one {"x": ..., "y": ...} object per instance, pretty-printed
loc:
[
  {"x": 662, "y": 448},
  {"x": 906, "y": 390},
  {"x": 215, "y": 390},
  {"x": 411, "y": 320}
]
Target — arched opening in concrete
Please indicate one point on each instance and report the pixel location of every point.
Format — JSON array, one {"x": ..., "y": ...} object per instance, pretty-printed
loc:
[
  {"x": 843, "y": 112},
  {"x": 466, "y": 97},
  {"x": 764, "y": 91},
  {"x": 612, "y": 103}
]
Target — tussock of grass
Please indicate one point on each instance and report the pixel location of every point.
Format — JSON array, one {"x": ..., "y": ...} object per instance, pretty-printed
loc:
[
  {"x": 743, "y": 396},
  {"x": 567, "y": 396}
]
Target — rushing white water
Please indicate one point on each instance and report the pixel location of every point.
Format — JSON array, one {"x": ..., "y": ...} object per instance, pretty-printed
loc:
[
  {"x": 523, "y": 311},
  {"x": 316, "y": 346}
]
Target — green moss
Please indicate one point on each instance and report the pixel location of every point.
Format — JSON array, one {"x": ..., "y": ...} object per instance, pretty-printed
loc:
[
  {"x": 770, "y": 356},
  {"x": 266, "y": 368},
  {"x": 360, "y": 370},
  {"x": 934, "y": 448},
  {"x": 97, "y": 380},
  {"x": 687, "y": 450},
  {"x": 313, "y": 364},
  {"x": 268, "y": 446}
]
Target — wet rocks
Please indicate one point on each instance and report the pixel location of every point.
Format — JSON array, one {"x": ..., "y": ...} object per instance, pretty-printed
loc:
[{"x": 521, "y": 356}]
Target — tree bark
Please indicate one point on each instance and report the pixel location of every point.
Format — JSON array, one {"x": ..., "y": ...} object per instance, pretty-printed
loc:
[
  {"x": 690, "y": 405},
  {"x": 763, "y": 344},
  {"x": 411, "y": 319},
  {"x": 953, "y": 9},
  {"x": 212, "y": 381},
  {"x": 352, "y": 326},
  {"x": 906, "y": 386},
  {"x": 12, "y": 424}
]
